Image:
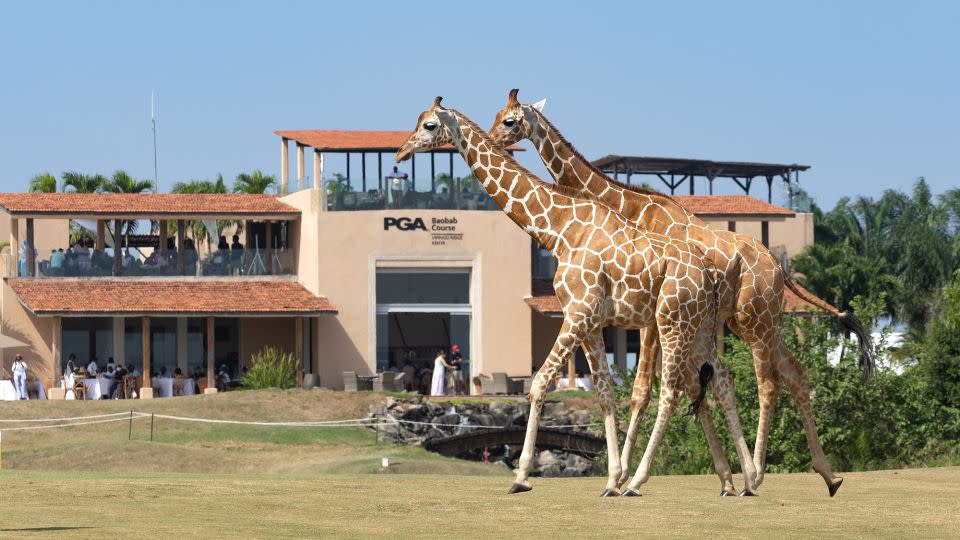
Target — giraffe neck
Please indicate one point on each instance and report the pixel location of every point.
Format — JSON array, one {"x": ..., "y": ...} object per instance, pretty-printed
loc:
[
  {"x": 570, "y": 169},
  {"x": 520, "y": 194}
]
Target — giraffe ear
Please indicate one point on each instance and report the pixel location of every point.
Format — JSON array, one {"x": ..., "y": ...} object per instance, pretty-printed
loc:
[{"x": 540, "y": 104}]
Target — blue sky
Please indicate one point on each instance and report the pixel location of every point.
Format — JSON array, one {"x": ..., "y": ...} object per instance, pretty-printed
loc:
[{"x": 864, "y": 92}]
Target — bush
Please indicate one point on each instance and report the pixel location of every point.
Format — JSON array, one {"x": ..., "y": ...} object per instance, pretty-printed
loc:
[
  {"x": 892, "y": 421},
  {"x": 271, "y": 368}
]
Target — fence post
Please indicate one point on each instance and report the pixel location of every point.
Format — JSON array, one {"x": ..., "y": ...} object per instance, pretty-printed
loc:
[
  {"x": 377, "y": 440},
  {"x": 151, "y": 427},
  {"x": 130, "y": 427}
]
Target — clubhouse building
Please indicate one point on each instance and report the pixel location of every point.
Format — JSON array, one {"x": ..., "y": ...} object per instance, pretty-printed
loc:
[{"x": 365, "y": 274}]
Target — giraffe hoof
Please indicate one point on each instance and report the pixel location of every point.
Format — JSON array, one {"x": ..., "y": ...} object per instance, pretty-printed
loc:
[
  {"x": 835, "y": 486},
  {"x": 630, "y": 493},
  {"x": 610, "y": 493},
  {"x": 518, "y": 488},
  {"x": 725, "y": 493},
  {"x": 747, "y": 493}
]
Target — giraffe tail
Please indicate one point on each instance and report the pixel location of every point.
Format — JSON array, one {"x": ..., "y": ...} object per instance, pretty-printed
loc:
[
  {"x": 706, "y": 373},
  {"x": 847, "y": 319}
]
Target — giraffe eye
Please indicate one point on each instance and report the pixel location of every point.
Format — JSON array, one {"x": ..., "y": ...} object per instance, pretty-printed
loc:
[
  {"x": 509, "y": 122},
  {"x": 430, "y": 126}
]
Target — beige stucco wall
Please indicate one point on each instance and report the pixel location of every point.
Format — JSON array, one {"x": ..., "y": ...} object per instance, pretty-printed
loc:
[
  {"x": 15, "y": 320},
  {"x": 351, "y": 245},
  {"x": 793, "y": 234},
  {"x": 257, "y": 333}
]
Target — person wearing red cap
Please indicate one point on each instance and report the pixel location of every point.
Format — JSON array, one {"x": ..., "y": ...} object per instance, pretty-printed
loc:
[{"x": 457, "y": 372}]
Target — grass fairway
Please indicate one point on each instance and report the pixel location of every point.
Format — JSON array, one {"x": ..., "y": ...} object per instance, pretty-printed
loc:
[
  {"x": 227, "y": 481},
  {"x": 887, "y": 504}
]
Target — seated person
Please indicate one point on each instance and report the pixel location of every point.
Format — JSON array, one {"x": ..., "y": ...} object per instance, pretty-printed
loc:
[
  {"x": 222, "y": 379},
  {"x": 163, "y": 373},
  {"x": 92, "y": 366},
  {"x": 118, "y": 375},
  {"x": 57, "y": 258},
  {"x": 178, "y": 379}
]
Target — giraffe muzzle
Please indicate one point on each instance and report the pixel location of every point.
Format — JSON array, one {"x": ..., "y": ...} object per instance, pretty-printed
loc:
[{"x": 404, "y": 153}]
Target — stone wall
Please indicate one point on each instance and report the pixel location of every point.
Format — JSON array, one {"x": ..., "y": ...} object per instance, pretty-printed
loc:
[{"x": 415, "y": 420}]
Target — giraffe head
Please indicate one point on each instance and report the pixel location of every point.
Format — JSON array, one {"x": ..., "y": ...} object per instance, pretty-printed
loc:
[
  {"x": 429, "y": 134},
  {"x": 516, "y": 121}
]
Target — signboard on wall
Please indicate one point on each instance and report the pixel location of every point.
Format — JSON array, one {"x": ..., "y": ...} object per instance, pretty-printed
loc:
[{"x": 440, "y": 229}]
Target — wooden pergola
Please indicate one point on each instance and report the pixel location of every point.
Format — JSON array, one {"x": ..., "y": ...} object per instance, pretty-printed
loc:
[{"x": 673, "y": 172}]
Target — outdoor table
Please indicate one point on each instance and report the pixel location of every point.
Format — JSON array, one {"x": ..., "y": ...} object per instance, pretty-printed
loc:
[
  {"x": 7, "y": 392},
  {"x": 97, "y": 388},
  {"x": 164, "y": 386}
]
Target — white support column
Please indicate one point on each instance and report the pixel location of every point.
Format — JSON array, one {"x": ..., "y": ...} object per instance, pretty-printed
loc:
[
  {"x": 182, "y": 343},
  {"x": 284, "y": 165},
  {"x": 14, "y": 269},
  {"x": 118, "y": 351},
  {"x": 620, "y": 348},
  {"x": 317, "y": 169},
  {"x": 55, "y": 347},
  {"x": 300, "y": 148}
]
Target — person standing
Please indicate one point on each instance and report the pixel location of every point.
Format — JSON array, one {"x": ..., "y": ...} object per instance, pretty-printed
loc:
[
  {"x": 456, "y": 360},
  {"x": 398, "y": 186},
  {"x": 20, "y": 377},
  {"x": 438, "y": 382}
]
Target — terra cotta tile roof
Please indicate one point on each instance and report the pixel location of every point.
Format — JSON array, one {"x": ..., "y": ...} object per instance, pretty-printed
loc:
[
  {"x": 341, "y": 140},
  {"x": 731, "y": 205},
  {"x": 50, "y": 296},
  {"x": 543, "y": 300},
  {"x": 145, "y": 204}
]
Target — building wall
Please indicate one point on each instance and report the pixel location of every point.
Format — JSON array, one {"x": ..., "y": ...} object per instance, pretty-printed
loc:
[
  {"x": 257, "y": 333},
  {"x": 36, "y": 332},
  {"x": 350, "y": 246},
  {"x": 793, "y": 234}
]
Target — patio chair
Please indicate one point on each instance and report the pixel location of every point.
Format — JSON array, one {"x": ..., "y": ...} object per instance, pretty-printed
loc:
[
  {"x": 501, "y": 383},
  {"x": 351, "y": 382},
  {"x": 79, "y": 389},
  {"x": 486, "y": 384}
]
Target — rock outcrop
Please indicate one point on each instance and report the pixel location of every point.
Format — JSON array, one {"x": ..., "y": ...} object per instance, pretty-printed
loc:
[{"x": 415, "y": 420}]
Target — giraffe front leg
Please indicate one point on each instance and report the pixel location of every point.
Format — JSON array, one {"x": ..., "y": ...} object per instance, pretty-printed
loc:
[
  {"x": 604, "y": 384},
  {"x": 795, "y": 376},
  {"x": 640, "y": 398},
  {"x": 565, "y": 345}
]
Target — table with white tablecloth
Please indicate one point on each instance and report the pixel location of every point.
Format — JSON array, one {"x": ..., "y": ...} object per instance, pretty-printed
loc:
[
  {"x": 9, "y": 393},
  {"x": 579, "y": 383},
  {"x": 164, "y": 386}
]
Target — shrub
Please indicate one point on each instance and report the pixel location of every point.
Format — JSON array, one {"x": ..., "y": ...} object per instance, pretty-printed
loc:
[{"x": 271, "y": 368}]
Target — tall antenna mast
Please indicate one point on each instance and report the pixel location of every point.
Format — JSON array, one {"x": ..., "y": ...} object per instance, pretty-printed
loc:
[{"x": 153, "y": 120}]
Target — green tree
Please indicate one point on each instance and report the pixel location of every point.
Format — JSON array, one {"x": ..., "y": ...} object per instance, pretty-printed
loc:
[
  {"x": 74, "y": 182},
  {"x": 255, "y": 182},
  {"x": 197, "y": 229},
  {"x": 43, "y": 183},
  {"x": 121, "y": 182},
  {"x": 940, "y": 357}
]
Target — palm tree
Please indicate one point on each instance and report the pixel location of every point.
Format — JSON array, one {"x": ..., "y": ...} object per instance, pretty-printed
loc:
[
  {"x": 198, "y": 231},
  {"x": 255, "y": 182},
  {"x": 82, "y": 183},
  {"x": 43, "y": 183},
  {"x": 121, "y": 182}
]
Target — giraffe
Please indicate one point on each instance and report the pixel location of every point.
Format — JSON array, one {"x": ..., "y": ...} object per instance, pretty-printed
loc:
[
  {"x": 608, "y": 272},
  {"x": 751, "y": 285}
]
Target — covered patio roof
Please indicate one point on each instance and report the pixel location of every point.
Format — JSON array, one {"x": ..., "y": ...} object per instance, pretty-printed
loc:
[
  {"x": 147, "y": 205},
  {"x": 673, "y": 172},
  {"x": 342, "y": 140},
  {"x": 169, "y": 297}
]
